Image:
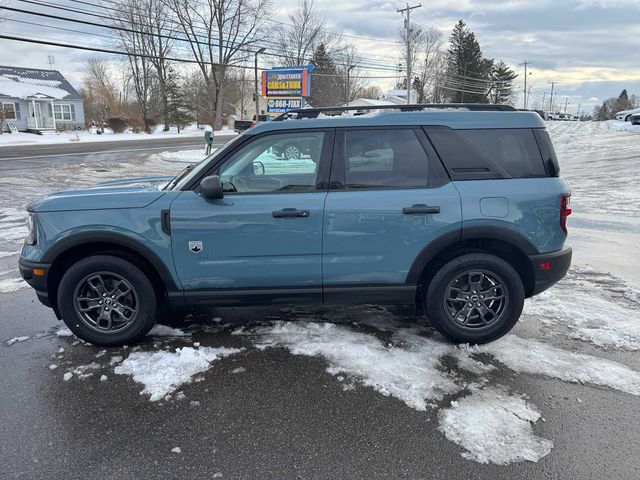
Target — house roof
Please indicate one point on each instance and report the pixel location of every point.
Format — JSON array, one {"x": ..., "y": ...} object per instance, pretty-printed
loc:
[{"x": 24, "y": 83}]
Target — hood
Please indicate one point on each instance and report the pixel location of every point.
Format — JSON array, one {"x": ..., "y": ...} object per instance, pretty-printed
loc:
[{"x": 127, "y": 193}]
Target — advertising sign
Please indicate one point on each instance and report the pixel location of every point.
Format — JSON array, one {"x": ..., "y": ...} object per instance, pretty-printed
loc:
[
  {"x": 283, "y": 104},
  {"x": 285, "y": 82}
]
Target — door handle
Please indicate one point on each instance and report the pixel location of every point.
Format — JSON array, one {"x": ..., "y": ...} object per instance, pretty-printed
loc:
[
  {"x": 290, "y": 212},
  {"x": 420, "y": 209}
]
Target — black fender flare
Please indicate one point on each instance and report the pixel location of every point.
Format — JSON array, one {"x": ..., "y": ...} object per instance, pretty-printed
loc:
[
  {"x": 115, "y": 238},
  {"x": 434, "y": 248}
]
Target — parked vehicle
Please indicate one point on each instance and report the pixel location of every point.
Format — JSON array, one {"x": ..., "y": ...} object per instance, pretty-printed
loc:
[
  {"x": 625, "y": 115},
  {"x": 459, "y": 211},
  {"x": 635, "y": 119},
  {"x": 242, "y": 125}
]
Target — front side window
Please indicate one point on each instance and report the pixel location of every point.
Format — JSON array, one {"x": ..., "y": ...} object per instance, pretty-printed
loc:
[
  {"x": 9, "y": 111},
  {"x": 62, "y": 112},
  {"x": 285, "y": 162},
  {"x": 384, "y": 159}
]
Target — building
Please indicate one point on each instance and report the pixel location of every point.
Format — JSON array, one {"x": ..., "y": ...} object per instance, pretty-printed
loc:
[{"x": 37, "y": 101}]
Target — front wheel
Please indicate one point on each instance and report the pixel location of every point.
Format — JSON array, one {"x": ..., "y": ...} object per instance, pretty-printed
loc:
[
  {"x": 475, "y": 298},
  {"x": 107, "y": 301},
  {"x": 291, "y": 151}
]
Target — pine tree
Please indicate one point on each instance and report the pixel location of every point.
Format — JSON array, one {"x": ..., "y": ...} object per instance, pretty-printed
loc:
[
  {"x": 622, "y": 103},
  {"x": 179, "y": 111},
  {"x": 501, "y": 90},
  {"x": 466, "y": 68},
  {"x": 325, "y": 88}
]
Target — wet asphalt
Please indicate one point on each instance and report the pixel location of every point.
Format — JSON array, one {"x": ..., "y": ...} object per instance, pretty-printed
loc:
[{"x": 283, "y": 417}]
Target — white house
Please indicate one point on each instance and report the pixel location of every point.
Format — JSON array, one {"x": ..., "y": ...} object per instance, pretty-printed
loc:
[{"x": 38, "y": 100}]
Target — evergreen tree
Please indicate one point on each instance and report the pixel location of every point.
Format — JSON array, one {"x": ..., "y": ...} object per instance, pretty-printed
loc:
[
  {"x": 466, "y": 68},
  {"x": 179, "y": 111},
  {"x": 326, "y": 90},
  {"x": 501, "y": 89},
  {"x": 622, "y": 103}
]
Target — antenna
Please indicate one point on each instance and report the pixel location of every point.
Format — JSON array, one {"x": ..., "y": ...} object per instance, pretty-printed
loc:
[{"x": 51, "y": 61}]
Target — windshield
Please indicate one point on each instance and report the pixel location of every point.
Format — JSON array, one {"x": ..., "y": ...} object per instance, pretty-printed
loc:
[{"x": 189, "y": 172}]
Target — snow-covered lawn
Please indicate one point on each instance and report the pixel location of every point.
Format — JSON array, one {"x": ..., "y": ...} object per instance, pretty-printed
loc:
[
  {"x": 596, "y": 308},
  {"x": 84, "y": 136}
]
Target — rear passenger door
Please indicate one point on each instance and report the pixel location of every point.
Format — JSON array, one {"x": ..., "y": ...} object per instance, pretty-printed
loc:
[{"x": 389, "y": 198}]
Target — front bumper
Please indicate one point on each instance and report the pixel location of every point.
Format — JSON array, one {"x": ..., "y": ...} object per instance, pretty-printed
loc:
[
  {"x": 549, "y": 268},
  {"x": 38, "y": 282}
]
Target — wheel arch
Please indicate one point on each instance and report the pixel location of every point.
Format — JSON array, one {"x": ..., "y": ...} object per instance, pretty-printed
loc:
[
  {"x": 505, "y": 244},
  {"x": 64, "y": 253}
]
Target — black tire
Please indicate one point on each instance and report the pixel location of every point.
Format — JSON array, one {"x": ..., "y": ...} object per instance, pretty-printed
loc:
[
  {"x": 89, "y": 279},
  {"x": 470, "y": 273},
  {"x": 627, "y": 118}
]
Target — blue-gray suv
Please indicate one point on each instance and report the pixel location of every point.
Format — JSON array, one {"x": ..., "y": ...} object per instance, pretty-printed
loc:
[{"x": 458, "y": 209}]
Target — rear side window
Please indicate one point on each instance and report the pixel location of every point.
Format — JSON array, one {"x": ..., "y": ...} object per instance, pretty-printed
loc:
[
  {"x": 488, "y": 153},
  {"x": 384, "y": 159}
]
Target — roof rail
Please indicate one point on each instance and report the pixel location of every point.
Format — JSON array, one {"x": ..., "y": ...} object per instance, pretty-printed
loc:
[{"x": 301, "y": 113}]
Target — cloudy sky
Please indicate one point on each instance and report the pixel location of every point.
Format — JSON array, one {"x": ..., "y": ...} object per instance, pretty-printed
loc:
[{"x": 590, "y": 48}]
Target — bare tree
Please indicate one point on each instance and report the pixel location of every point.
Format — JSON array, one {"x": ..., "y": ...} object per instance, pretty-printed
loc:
[
  {"x": 218, "y": 33},
  {"x": 412, "y": 45},
  {"x": 431, "y": 66},
  {"x": 99, "y": 92},
  {"x": 298, "y": 40}
]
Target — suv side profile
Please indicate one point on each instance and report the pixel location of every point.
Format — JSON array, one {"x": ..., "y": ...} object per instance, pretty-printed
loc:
[{"x": 459, "y": 210}]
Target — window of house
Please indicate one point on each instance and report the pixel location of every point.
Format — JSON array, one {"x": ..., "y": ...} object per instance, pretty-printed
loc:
[
  {"x": 62, "y": 112},
  {"x": 9, "y": 110}
]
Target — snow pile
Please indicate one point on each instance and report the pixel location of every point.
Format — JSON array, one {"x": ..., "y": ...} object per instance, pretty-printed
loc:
[
  {"x": 64, "y": 332},
  {"x": 162, "y": 373},
  {"x": 13, "y": 340},
  {"x": 160, "y": 330},
  {"x": 412, "y": 376},
  {"x": 618, "y": 126},
  {"x": 8, "y": 285},
  {"x": 537, "y": 358},
  {"x": 589, "y": 315},
  {"x": 494, "y": 427}
]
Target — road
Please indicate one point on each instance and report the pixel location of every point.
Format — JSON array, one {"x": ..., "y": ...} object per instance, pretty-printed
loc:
[
  {"x": 324, "y": 393},
  {"x": 81, "y": 149}
]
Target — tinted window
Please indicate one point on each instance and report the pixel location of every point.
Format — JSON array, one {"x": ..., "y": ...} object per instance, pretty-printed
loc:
[
  {"x": 493, "y": 153},
  {"x": 274, "y": 163},
  {"x": 383, "y": 159}
]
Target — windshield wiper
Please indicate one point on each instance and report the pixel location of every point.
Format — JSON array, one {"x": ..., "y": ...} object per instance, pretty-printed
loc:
[{"x": 179, "y": 177}]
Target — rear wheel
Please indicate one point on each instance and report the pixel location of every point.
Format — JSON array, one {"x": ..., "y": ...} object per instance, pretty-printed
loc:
[
  {"x": 107, "y": 301},
  {"x": 475, "y": 298}
]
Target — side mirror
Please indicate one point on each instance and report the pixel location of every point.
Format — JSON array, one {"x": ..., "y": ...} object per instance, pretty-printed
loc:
[
  {"x": 211, "y": 187},
  {"x": 258, "y": 167}
]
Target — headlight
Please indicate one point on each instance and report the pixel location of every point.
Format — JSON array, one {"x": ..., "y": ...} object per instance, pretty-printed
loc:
[{"x": 31, "y": 229}]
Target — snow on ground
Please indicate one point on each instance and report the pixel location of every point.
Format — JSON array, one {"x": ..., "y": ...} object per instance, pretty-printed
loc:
[
  {"x": 84, "y": 136},
  {"x": 13, "y": 340},
  {"x": 494, "y": 427},
  {"x": 162, "y": 373},
  {"x": 160, "y": 330}
]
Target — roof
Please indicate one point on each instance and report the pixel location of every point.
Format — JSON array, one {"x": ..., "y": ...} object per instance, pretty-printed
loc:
[
  {"x": 455, "y": 119},
  {"x": 25, "y": 83}
]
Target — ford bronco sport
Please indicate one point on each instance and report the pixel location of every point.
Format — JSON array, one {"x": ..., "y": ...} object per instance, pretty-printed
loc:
[{"x": 456, "y": 208}]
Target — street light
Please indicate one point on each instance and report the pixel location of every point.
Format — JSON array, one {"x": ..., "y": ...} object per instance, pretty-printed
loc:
[
  {"x": 255, "y": 71},
  {"x": 351, "y": 67}
]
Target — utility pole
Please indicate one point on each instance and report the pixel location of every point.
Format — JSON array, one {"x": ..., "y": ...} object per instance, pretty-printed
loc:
[
  {"x": 464, "y": 81},
  {"x": 407, "y": 27},
  {"x": 255, "y": 72},
  {"x": 50, "y": 61},
  {"x": 566, "y": 101},
  {"x": 553, "y": 84},
  {"x": 525, "y": 63},
  {"x": 348, "y": 92}
]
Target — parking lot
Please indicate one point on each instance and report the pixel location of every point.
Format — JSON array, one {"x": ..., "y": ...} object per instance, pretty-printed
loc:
[{"x": 367, "y": 392}]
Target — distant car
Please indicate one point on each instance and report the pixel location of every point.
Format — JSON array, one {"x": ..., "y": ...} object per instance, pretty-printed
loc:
[
  {"x": 625, "y": 115},
  {"x": 242, "y": 125},
  {"x": 635, "y": 119}
]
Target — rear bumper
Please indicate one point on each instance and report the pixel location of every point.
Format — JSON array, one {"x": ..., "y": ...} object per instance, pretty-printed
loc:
[
  {"x": 549, "y": 268},
  {"x": 38, "y": 282}
]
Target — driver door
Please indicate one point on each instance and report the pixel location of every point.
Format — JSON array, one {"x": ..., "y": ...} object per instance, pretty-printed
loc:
[{"x": 265, "y": 235}]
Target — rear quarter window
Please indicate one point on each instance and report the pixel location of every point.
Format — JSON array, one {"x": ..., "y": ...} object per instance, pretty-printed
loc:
[{"x": 488, "y": 153}]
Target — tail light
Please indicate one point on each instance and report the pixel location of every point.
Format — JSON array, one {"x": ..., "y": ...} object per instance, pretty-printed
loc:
[{"x": 565, "y": 211}]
